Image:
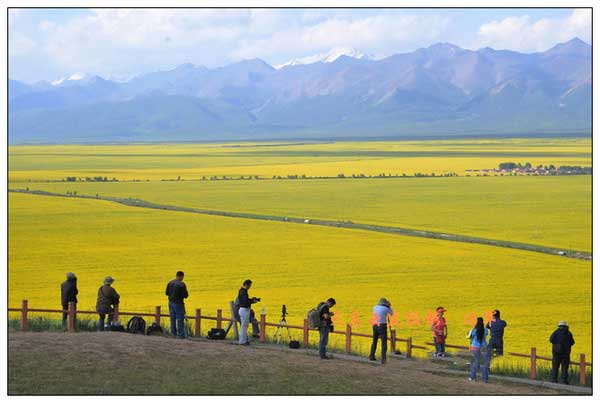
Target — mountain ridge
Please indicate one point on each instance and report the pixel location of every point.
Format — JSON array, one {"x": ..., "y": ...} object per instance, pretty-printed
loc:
[{"x": 441, "y": 88}]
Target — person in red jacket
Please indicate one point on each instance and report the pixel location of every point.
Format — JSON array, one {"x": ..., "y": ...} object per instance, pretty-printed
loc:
[{"x": 440, "y": 332}]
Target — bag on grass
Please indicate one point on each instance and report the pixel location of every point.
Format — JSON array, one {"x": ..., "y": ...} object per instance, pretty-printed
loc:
[
  {"x": 154, "y": 330},
  {"x": 136, "y": 325},
  {"x": 294, "y": 344},
  {"x": 216, "y": 334}
]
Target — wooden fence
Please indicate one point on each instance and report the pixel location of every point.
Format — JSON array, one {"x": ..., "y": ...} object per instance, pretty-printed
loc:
[{"x": 198, "y": 317}]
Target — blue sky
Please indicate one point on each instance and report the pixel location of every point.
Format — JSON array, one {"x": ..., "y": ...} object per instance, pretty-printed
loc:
[{"x": 48, "y": 44}]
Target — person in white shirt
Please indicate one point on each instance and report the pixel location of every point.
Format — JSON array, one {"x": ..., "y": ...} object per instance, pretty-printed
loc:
[{"x": 381, "y": 311}]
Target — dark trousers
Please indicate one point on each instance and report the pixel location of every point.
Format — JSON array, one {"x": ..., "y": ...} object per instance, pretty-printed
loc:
[
  {"x": 379, "y": 332},
  {"x": 177, "y": 315},
  {"x": 560, "y": 360},
  {"x": 323, "y": 339},
  {"x": 65, "y": 315},
  {"x": 496, "y": 344},
  {"x": 101, "y": 325}
]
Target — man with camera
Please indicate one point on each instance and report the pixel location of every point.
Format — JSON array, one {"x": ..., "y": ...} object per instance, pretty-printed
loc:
[
  {"x": 381, "y": 311},
  {"x": 245, "y": 301},
  {"x": 325, "y": 326},
  {"x": 177, "y": 292}
]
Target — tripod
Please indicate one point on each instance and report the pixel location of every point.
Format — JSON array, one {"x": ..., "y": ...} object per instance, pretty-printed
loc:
[{"x": 282, "y": 323}]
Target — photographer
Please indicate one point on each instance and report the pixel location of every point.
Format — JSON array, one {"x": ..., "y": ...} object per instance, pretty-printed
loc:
[
  {"x": 381, "y": 311},
  {"x": 325, "y": 326},
  {"x": 245, "y": 301}
]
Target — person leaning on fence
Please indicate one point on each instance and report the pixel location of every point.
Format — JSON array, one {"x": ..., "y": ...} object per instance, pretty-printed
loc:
[
  {"x": 496, "y": 327},
  {"x": 244, "y": 302},
  {"x": 325, "y": 326},
  {"x": 562, "y": 340},
  {"x": 381, "y": 311},
  {"x": 478, "y": 350},
  {"x": 68, "y": 293},
  {"x": 177, "y": 292},
  {"x": 108, "y": 299},
  {"x": 440, "y": 332}
]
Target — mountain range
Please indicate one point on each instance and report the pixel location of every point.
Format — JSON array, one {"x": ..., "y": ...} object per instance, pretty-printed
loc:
[{"x": 441, "y": 90}]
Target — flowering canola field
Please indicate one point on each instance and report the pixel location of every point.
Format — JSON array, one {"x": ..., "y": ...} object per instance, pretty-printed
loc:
[{"x": 301, "y": 265}]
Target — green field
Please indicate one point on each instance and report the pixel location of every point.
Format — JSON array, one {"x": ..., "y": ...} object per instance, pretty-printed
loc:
[{"x": 301, "y": 265}]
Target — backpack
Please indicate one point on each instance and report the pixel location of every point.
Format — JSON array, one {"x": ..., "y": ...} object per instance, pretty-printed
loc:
[
  {"x": 136, "y": 325},
  {"x": 154, "y": 329},
  {"x": 216, "y": 334},
  {"x": 314, "y": 317}
]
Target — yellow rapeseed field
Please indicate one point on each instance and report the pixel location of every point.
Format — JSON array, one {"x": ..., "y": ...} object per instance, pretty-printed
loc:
[{"x": 291, "y": 264}]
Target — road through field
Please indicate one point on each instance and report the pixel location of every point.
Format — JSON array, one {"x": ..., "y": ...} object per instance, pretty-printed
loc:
[{"x": 339, "y": 224}]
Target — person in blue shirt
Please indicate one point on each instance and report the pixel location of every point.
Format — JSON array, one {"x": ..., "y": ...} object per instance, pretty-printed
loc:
[
  {"x": 478, "y": 348},
  {"x": 380, "y": 313},
  {"x": 496, "y": 327}
]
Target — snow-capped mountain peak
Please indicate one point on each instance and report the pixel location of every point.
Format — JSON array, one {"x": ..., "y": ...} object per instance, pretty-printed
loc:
[
  {"x": 328, "y": 57},
  {"x": 72, "y": 77}
]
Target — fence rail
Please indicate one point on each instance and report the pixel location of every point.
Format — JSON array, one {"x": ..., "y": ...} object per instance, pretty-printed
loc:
[{"x": 197, "y": 318}]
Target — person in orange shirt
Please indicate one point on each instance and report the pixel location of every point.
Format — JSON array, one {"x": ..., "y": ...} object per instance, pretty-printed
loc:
[{"x": 440, "y": 332}]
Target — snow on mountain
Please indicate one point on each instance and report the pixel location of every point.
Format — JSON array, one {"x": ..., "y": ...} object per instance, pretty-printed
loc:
[
  {"x": 328, "y": 57},
  {"x": 72, "y": 77}
]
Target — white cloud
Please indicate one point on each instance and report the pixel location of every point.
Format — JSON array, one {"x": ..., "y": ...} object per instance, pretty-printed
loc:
[{"x": 524, "y": 34}]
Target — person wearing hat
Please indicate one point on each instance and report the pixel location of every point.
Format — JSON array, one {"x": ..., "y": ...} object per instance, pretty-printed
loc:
[
  {"x": 496, "y": 326},
  {"x": 68, "y": 293},
  {"x": 562, "y": 340},
  {"x": 381, "y": 311},
  {"x": 108, "y": 299},
  {"x": 440, "y": 332}
]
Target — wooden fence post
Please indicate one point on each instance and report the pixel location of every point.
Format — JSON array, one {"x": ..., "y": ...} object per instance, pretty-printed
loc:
[
  {"x": 24, "y": 315},
  {"x": 219, "y": 318},
  {"x": 157, "y": 315},
  {"x": 71, "y": 317},
  {"x": 409, "y": 347},
  {"x": 116, "y": 314},
  {"x": 533, "y": 369},
  {"x": 348, "y": 338},
  {"x": 198, "y": 319},
  {"x": 393, "y": 340},
  {"x": 582, "y": 369},
  {"x": 263, "y": 330},
  {"x": 305, "y": 333}
]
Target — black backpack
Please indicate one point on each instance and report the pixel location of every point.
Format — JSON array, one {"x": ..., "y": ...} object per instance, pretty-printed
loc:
[
  {"x": 154, "y": 329},
  {"x": 216, "y": 334},
  {"x": 136, "y": 325}
]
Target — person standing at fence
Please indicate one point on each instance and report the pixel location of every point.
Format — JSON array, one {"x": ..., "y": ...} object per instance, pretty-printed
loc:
[
  {"x": 381, "y": 311},
  {"x": 108, "y": 300},
  {"x": 245, "y": 301},
  {"x": 325, "y": 326},
  {"x": 252, "y": 320},
  {"x": 177, "y": 292},
  {"x": 68, "y": 293},
  {"x": 562, "y": 340},
  {"x": 440, "y": 332},
  {"x": 478, "y": 350},
  {"x": 496, "y": 327}
]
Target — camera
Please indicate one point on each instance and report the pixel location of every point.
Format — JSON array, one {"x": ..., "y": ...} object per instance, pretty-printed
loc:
[
  {"x": 283, "y": 311},
  {"x": 256, "y": 299}
]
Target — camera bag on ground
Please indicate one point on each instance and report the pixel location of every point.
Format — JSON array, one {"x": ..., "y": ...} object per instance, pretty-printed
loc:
[
  {"x": 117, "y": 327},
  {"x": 216, "y": 334},
  {"x": 154, "y": 330},
  {"x": 294, "y": 344},
  {"x": 136, "y": 325}
]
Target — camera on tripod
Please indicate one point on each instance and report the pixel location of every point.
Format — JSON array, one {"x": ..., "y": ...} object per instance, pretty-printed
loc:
[{"x": 283, "y": 311}]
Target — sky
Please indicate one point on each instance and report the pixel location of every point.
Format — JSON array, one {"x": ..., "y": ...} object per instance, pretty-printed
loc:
[{"x": 49, "y": 44}]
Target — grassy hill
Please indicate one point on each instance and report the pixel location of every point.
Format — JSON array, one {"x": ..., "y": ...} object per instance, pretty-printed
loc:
[{"x": 120, "y": 363}]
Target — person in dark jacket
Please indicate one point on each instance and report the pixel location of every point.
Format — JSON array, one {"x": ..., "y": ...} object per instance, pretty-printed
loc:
[
  {"x": 108, "y": 299},
  {"x": 177, "y": 292},
  {"x": 244, "y": 302},
  {"x": 325, "y": 326},
  {"x": 496, "y": 343},
  {"x": 562, "y": 340},
  {"x": 68, "y": 293},
  {"x": 253, "y": 320}
]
